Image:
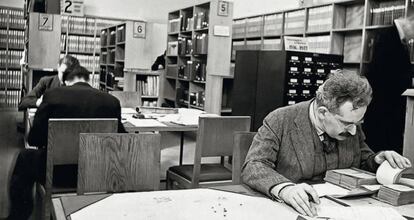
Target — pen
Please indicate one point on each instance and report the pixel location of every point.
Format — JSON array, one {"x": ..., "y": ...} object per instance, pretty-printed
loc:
[{"x": 336, "y": 200}]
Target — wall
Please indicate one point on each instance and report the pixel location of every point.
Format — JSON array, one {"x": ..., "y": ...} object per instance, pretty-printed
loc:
[
  {"x": 12, "y": 3},
  {"x": 156, "y": 10}
]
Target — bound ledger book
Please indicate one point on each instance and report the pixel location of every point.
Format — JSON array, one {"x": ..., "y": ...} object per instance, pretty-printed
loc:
[
  {"x": 350, "y": 178},
  {"x": 387, "y": 181},
  {"x": 396, "y": 194}
]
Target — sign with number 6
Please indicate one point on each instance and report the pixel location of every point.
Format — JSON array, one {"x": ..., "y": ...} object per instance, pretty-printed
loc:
[{"x": 139, "y": 29}]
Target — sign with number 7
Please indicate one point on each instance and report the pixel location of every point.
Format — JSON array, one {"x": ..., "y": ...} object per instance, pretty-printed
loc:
[
  {"x": 223, "y": 8},
  {"x": 45, "y": 22}
]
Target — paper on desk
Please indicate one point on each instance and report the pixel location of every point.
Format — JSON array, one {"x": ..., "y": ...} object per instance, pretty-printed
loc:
[
  {"x": 128, "y": 111},
  {"x": 330, "y": 189},
  {"x": 200, "y": 204},
  {"x": 143, "y": 122},
  {"x": 359, "y": 213},
  {"x": 373, "y": 188},
  {"x": 339, "y": 192}
]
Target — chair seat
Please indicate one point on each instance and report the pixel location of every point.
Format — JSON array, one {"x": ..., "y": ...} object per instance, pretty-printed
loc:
[{"x": 208, "y": 173}]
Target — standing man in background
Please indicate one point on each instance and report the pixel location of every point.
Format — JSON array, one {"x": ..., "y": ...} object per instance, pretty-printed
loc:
[
  {"x": 34, "y": 98},
  {"x": 299, "y": 143}
]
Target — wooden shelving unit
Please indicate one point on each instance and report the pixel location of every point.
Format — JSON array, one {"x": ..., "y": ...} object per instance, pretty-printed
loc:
[
  {"x": 80, "y": 38},
  {"x": 342, "y": 27},
  {"x": 147, "y": 83},
  {"x": 198, "y": 56},
  {"x": 125, "y": 60},
  {"x": 11, "y": 51}
]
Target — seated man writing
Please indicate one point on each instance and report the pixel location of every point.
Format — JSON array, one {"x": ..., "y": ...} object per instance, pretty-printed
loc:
[
  {"x": 34, "y": 98},
  {"x": 75, "y": 100},
  {"x": 299, "y": 143}
]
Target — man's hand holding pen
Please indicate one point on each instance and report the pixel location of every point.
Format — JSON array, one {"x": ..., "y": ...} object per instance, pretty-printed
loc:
[{"x": 302, "y": 197}]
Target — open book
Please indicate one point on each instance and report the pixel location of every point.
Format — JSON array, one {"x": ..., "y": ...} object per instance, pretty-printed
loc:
[{"x": 355, "y": 182}]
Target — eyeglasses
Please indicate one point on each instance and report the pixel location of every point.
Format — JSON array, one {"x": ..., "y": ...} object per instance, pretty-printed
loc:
[{"x": 348, "y": 125}]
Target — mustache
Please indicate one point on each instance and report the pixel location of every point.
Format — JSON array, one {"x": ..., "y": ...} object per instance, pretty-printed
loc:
[{"x": 345, "y": 134}]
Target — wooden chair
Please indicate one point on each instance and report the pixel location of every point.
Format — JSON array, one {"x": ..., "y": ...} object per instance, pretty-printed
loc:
[
  {"x": 214, "y": 139},
  {"x": 242, "y": 142},
  {"x": 63, "y": 148},
  {"x": 119, "y": 162},
  {"x": 127, "y": 99}
]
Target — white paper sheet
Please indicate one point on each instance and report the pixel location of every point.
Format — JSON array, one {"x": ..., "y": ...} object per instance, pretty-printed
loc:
[
  {"x": 375, "y": 187},
  {"x": 128, "y": 111},
  {"x": 324, "y": 189},
  {"x": 359, "y": 213},
  {"x": 200, "y": 204},
  {"x": 143, "y": 122}
]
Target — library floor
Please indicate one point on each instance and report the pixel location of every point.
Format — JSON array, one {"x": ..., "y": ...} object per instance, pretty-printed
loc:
[{"x": 11, "y": 141}]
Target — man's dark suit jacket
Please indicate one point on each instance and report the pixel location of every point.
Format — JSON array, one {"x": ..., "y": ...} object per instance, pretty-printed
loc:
[
  {"x": 283, "y": 150},
  {"x": 44, "y": 84},
  {"x": 77, "y": 101}
]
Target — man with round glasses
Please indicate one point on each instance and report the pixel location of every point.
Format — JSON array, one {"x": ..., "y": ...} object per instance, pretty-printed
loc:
[{"x": 299, "y": 143}]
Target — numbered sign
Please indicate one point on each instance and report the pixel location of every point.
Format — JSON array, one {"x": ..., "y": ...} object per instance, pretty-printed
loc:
[
  {"x": 45, "y": 22},
  {"x": 139, "y": 29},
  {"x": 223, "y": 8},
  {"x": 72, "y": 7}
]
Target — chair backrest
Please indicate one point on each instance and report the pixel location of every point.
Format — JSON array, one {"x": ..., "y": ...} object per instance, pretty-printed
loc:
[
  {"x": 118, "y": 162},
  {"x": 215, "y": 134},
  {"x": 215, "y": 138},
  {"x": 63, "y": 136},
  {"x": 242, "y": 142},
  {"x": 127, "y": 99}
]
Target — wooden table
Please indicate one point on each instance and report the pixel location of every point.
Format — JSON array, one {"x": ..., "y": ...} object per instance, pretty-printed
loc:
[
  {"x": 64, "y": 206},
  {"x": 171, "y": 127}
]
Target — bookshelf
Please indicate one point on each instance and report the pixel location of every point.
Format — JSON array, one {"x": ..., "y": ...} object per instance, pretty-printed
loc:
[
  {"x": 198, "y": 40},
  {"x": 125, "y": 59},
  {"x": 147, "y": 83},
  {"x": 80, "y": 37},
  {"x": 344, "y": 27},
  {"x": 12, "y": 25}
]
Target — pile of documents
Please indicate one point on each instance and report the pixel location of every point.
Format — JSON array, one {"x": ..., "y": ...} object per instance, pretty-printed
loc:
[
  {"x": 350, "y": 178},
  {"x": 396, "y": 194}
]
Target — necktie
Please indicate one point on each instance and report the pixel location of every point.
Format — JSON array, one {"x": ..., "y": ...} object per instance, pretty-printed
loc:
[{"x": 329, "y": 144}]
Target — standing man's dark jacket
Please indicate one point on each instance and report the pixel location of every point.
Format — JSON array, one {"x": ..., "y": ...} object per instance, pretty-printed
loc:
[
  {"x": 77, "y": 101},
  {"x": 45, "y": 83}
]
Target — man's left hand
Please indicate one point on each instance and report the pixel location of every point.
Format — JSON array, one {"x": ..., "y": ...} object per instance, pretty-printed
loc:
[{"x": 394, "y": 158}]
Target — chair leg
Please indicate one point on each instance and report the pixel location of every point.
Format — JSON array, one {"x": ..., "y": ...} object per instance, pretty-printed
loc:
[
  {"x": 168, "y": 183},
  {"x": 46, "y": 207}
]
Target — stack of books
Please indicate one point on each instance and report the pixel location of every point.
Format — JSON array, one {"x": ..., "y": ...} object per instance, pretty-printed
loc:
[
  {"x": 320, "y": 18},
  {"x": 239, "y": 28},
  {"x": 273, "y": 24},
  {"x": 396, "y": 194},
  {"x": 200, "y": 45},
  {"x": 387, "y": 12},
  {"x": 295, "y": 22},
  {"x": 350, "y": 178},
  {"x": 254, "y": 26}
]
